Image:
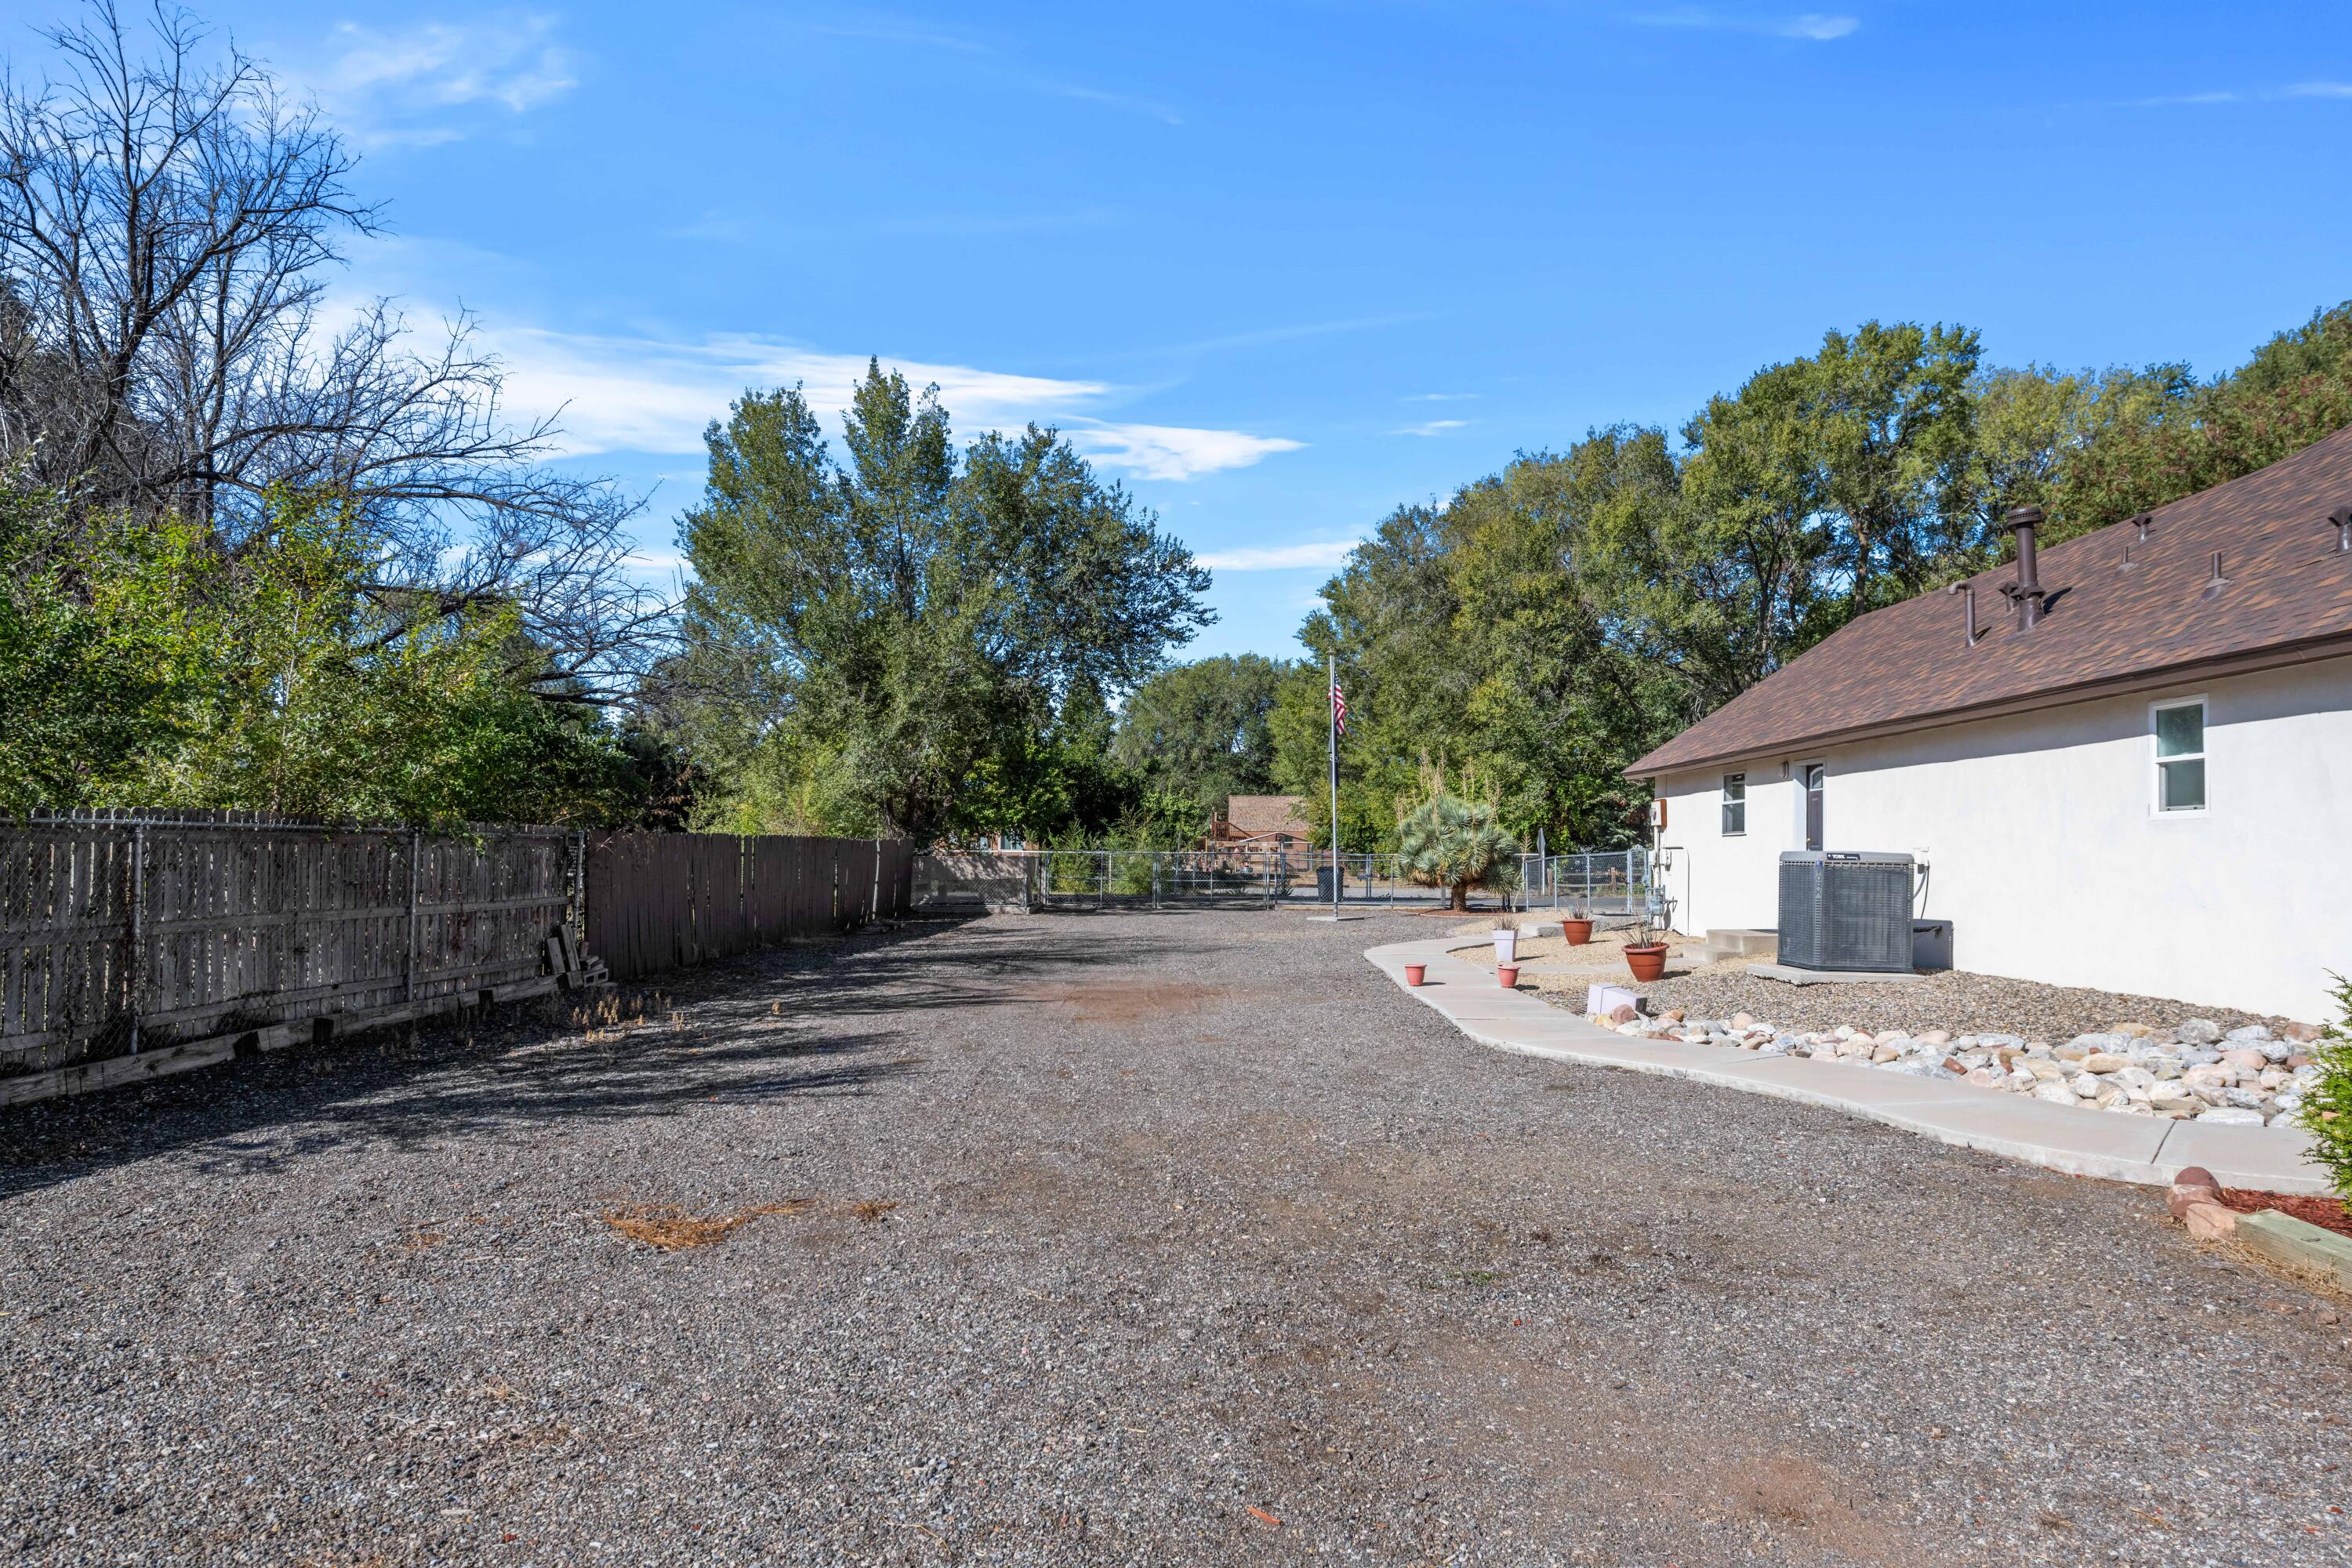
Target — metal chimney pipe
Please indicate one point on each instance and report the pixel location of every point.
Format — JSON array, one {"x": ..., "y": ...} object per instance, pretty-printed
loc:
[
  {"x": 2028, "y": 590},
  {"x": 2343, "y": 522},
  {"x": 1969, "y": 589}
]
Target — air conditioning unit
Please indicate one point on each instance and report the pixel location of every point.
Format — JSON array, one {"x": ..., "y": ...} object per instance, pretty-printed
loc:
[{"x": 1843, "y": 909}]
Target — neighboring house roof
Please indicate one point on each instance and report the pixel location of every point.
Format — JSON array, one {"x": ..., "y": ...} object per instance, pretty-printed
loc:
[
  {"x": 1259, "y": 816},
  {"x": 2288, "y": 599}
]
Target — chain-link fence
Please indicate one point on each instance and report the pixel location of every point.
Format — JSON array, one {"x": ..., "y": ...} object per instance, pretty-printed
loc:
[
  {"x": 1600, "y": 882},
  {"x": 1162, "y": 878}
]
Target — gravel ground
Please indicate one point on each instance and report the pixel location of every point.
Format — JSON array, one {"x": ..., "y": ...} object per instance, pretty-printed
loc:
[
  {"x": 1208, "y": 1246},
  {"x": 1963, "y": 1003}
]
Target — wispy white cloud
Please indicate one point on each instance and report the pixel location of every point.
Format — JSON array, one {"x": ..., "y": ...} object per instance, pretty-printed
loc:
[
  {"x": 639, "y": 394},
  {"x": 1322, "y": 554},
  {"x": 431, "y": 82},
  {"x": 1815, "y": 26},
  {"x": 2270, "y": 95},
  {"x": 1431, "y": 428},
  {"x": 1172, "y": 452},
  {"x": 904, "y": 34},
  {"x": 1443, "y": 397}
]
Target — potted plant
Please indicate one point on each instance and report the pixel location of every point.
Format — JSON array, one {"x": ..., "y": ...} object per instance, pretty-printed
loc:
[
  {"x": 1507, "y": 939},
  {"x": 1576, "y": 925},
  {"x": 1645, "y": 955}
]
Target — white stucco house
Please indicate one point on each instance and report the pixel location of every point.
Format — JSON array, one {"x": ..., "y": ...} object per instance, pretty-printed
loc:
[{"x": 2136, "y": 777}]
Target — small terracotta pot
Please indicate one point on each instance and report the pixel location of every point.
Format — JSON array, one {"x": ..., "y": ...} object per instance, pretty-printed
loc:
[
  {"x": 1647, "y": 963},
  {"x": 1414, "y": 972},
  {"x": 1576, "y": 933},
  {"x": 1509, "y": 974}
]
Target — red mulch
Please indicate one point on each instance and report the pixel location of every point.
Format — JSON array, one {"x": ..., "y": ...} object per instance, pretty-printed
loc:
[{"x": 2328, "y": 1213}]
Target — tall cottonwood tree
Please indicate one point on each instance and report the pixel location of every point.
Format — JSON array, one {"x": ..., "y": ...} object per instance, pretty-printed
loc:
[{"x": 870, "y": 643}]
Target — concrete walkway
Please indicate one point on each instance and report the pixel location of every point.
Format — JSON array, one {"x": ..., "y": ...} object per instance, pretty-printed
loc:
[{"x": 2148, "y": 1149}]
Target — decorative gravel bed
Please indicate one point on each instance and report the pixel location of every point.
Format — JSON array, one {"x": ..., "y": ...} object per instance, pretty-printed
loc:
[
  {"x": 1963, "y": 1003},
  {"x": 2094, "y": 1049}
]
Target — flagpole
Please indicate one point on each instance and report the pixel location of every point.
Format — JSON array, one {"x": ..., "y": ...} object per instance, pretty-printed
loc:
[{"x": 1332, "y": 704}]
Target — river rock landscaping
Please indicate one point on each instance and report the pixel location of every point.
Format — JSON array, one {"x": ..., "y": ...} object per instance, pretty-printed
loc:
[
  {"x": 2021, "y": 1036},
  {"x": 2193, "y": 1071}
]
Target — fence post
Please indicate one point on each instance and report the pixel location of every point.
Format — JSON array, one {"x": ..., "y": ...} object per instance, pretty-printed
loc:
[
  {"x": 415, "y": 850},
  {"x": 138, "y": 930},
  {"x": 579, "y": 899}
]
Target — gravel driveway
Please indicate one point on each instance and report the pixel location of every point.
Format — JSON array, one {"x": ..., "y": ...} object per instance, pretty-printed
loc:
[{"x": 1208, "y": 1246}]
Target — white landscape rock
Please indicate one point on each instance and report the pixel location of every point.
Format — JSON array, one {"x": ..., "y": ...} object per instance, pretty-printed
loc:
[{"x": 2190, "y": 1071}]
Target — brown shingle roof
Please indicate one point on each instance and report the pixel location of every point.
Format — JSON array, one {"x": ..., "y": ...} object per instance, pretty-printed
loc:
[
  {"x": 1255, "y": 815},
  {"x": 2289, "y": 599}
]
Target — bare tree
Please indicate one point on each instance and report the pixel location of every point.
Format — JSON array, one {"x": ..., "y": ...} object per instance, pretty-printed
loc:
[{"x": 169, "y": 223}]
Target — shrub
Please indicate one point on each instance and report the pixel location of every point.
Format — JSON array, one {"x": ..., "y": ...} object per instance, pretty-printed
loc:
[
  {"x": 2326, "y": 1109},
  {"x": 1448, "y": 838}
]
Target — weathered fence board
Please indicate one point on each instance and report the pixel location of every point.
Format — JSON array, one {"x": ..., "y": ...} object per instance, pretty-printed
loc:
[
  {"x": 122, "y": 934},
  {"x": 666, "y": 900}
]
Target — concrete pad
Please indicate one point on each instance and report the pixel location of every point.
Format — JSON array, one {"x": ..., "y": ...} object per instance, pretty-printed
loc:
[
  {"x": 2267, "y": 1159},
  {"x": 1488, "y": 1001},
  {"x": 1844, "y": 1085},
  {"x": 1796, "y": 976},
  {"x": 2056, "y": 1137}
]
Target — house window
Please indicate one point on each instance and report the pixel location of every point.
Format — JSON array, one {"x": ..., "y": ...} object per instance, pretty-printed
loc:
[
  {"x": 2179, "y": 729},
  {"x": 1734, "y": 804}
]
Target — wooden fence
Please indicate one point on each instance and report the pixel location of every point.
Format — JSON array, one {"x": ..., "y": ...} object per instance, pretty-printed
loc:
[
  {"x": 664, "y": 901},
  {"x": 134, "y": 945}
]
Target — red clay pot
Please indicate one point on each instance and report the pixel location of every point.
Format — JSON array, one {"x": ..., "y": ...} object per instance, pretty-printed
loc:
[
  {"x": 1414, "y": 972},
  {"x": 1647, "y": 963},
  {"x": 1576, "y": 933},
  {"x": 1509, "y": 974}
]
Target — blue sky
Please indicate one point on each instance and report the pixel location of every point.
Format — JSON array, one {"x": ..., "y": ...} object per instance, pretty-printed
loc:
[{"x": 1281, "y": 267}]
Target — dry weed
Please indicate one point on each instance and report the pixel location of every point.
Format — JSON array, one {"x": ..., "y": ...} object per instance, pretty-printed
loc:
[
  {"x": 668, "y": 1228},
  {"x": 869, "y": 1211}
]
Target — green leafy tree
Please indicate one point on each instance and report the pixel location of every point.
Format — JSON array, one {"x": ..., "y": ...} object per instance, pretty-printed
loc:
[
  {"x": 90, "y": 683},
  {"x": 142, "y": 665},
  {"x": 891, "y": 639},
  {"x": 1203, "y": 729},
  {"x": 2296, "y": 390}
]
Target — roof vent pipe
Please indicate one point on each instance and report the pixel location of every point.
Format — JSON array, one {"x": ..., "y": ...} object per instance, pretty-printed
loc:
[
  {"x": 2215, "y": 583},
  {"x": 2343, "y": 522},
  {"x": 2027, "y": 590},
  {"x": 1971, "y": 590},
  {"x": 2143, "y": 522}
]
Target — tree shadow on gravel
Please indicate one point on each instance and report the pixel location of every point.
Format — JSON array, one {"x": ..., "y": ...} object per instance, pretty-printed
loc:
[{"x": 812, "y": 1018}]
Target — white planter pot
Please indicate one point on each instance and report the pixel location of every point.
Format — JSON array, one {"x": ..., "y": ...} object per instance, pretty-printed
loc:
[{"x": 1507, "y": 946}]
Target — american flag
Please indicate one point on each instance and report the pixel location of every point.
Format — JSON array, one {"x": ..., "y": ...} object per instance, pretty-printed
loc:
[{"x": 1338, "y": 708}]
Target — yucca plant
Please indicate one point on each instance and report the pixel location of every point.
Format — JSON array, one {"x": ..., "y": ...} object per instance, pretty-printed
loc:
[{"x": 1447, "y": 836}]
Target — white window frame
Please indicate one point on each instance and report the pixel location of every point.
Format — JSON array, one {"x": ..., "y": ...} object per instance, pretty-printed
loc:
[
  {"x": 1727, "y": 803},
  {"x": 2155, "y": 763}
]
